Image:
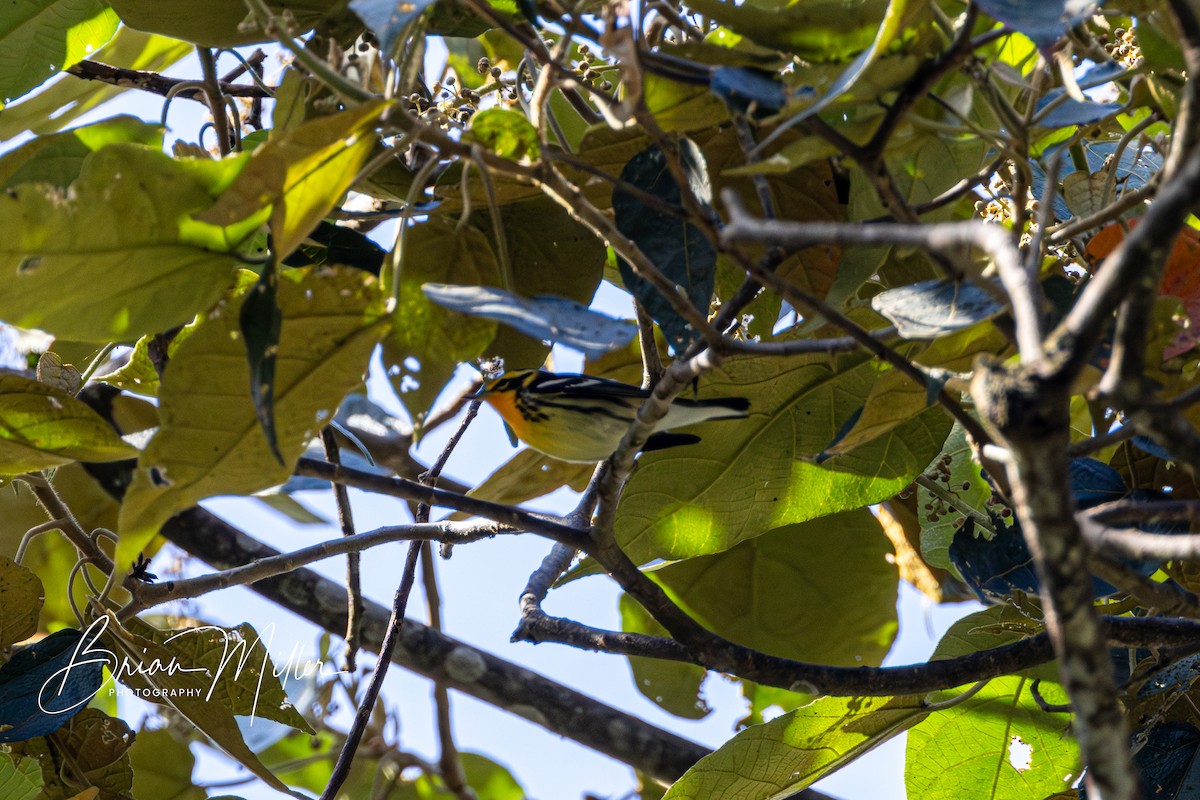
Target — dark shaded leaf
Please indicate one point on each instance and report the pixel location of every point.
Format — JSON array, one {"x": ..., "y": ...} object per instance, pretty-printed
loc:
[
  {"x": 45, "y": 684},
  {"x": 1167, "y": 764},
  {"x": 1072, "y": 112},
  {"x": 678, "y": 248},
  {"x": 555, "y": 319},
  {"x": 744, "y": 87},
  {"x": 261, "y": 321},
  {"x": 333, "y": 244}
]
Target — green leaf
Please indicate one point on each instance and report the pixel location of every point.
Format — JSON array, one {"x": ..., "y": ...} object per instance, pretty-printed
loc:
[
  {"x": 749, "y": 476},
  {"x": 138, "y": 374},
  {"x": 965, "y": 481},
  {"x": 38, "y": 38},
  {"x": 435, "y": 338},
  {"x": 815, "y": 30},
  {"x": 41, "y": 427},
  {"x": 99, "y": 748},
  {"x": 678, "y": 248},
  {"x": 490, "y": 780},
  {"x": 792, "y": 751},
  {"x": 57, "y": 158},
  {"x": 674, "y": 686},
  {"x": 144, "y": 646},
  {"x": 215, "y": 23},
  {"x": 20, "y": 778},
  {"x": 783, "y": 592},
  {"x": 507, "y": 133},
  {"x": 58, "y": 105},
  {"x": 301, "y": 174},
  {"x": 162, "y": 767},
  {"x": 999, "y": 743},
  {"x": 21, "y": 599},
  {"x": 80, "y": 268},
  {"x": 210, "y": 442}
]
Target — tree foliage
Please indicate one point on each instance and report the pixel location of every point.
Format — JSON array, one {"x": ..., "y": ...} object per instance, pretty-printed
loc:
[{"x": 946, "y": 251}]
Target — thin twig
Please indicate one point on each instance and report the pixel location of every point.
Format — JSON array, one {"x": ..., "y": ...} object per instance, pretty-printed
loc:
[{"x": 354, "y": 599}]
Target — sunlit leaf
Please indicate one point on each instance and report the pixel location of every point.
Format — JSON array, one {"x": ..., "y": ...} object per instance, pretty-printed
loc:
[
  {"x": 796, "y": 749},
  {"x": 57, "y": 158},
  {"x": 76, "y": 267},
  {"x": 41, "y": 427},
  {"x": 507, "y": 133},
  {"x": 749, "y": 476},
  {"x": 781, "y": 593},
  {"x": 58, "y": 105},
  {"x": 301, "y": 173},
  {"x": 999, "y": 743},
  {"x": 40, "y": 37}
]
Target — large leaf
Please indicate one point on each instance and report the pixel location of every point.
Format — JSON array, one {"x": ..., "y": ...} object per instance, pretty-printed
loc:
[
  {"x": 41, "y": 427},
  {"x": 749, "y": 476},
  {"x": 57, "y": 158},
  {"x": 57, "y": 106},
  {"x": 40, "y": 37},
  {"x": 210, "y": 442},
  {"x": 822, "y": 30},
  {"x": 999, "y": 743},
  {"x": 78, "y": 268},
  {"x": 96, "y": 746},
  {"x": 215, "y": 23},
  {"x": 676, "y": 247},
  {"x": 778, "y": 758},
  {"x": 162, "y": 767},
  {"x": 894, "y": 399},
  {"x": 782, "y": 592},
  {"x": 428, "y": 341},
  {"x": 528, "y": 475},
  {"x": 301, "y": 173}
]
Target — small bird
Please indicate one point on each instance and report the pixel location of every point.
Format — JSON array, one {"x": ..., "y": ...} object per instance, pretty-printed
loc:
[{"x": 582, "y": 418}]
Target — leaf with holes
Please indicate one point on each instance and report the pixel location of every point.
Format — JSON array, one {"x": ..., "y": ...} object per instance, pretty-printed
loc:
[
  {"x": 210, "y": 441},
  {"x": 77, "y": 268}
]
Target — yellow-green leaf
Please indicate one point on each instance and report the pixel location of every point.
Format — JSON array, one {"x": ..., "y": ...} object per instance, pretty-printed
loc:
[
  {"x": 162, "y": 767},
  {"x": 505, "y": 132},
  {"x": 41, "y": 426},
  {"x": 895, "y": 398},
  {"x": 999, "y": 743},
  {"x": 789, "y": 753},
  {"x": 783, "y": 592},
  {"x": 301, "y": 173},
  {"x": 210, "y": 442},
  {"x": 527, "y": 475},
  {"x": 57, "y": 158},
  {"x": 21, "y": 598},
  {"x": 749, "y": 476},
  {"x": 20, "y": 778},
  {"x": 117, "y": 255}
]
